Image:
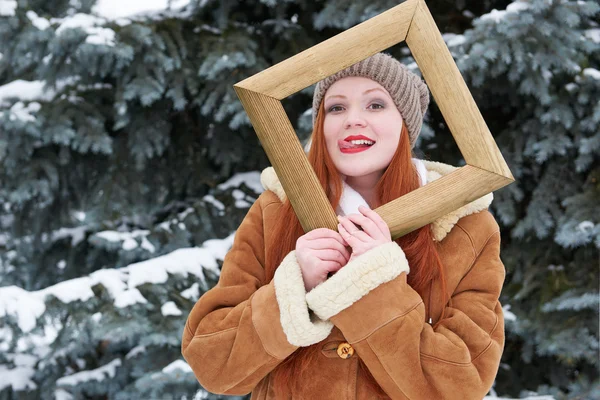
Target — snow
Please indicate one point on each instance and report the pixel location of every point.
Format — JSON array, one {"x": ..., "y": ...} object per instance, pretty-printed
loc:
[
  {"x": 25, "y": 91},
  {"x": 571, "y": 86},
  {"x": 181, "y": 261},
  {"x": 469, "y": 14},
  {"x": 39, "y": 344},
  {"x": 103, "y": 36},
  {"x": 61, "y": 264},
  {"x": 135, "y": 351},
  {"x": 38, "y": 22},
  {"x": 115, "y": 236},
  {"x": 508, "y": 315},
  {"x": 129, "y": 244},
  {"x": 592, "y": 73},
  {"x": 517, "y": 6},
  {"x": 593, "y": 34},
  {"x": 128, "y": 238},
  {"x": 512, "y": 8},
  {"x": 211, "y": 199},
  {"x": 79, "y": 215},
  {"x": 177, "y": 365},
  {"x": 128, "y": 298},
  {"x": 494, "y": 15},
  {"x": 251, "y": 179},
  {"x": 182, "y": 215},
  {"x": 28, "y": 91},
  {"x": 118, "y": 9},
  {"x": 24, "y": 113},
  {"x": 586, "y": 226},
  {"x": 165, "y": 225},
  {"x": 79, "y": 20},
  {"x": 26, "y": 307},
  {"x": 19, "y": 378},
  {"x": 98, "y": 374},
  {"x": 79, "y": 289},
  {"x": 8, "y": 7},
  {"x": 111, "y": 279},
  {"x": 87, "y": 22},
  {"x": 453, "y": 39},
  {"x": 61, "y": 394},
  {"x": 6, "y": 337},
  {"x": 239, "y": 197},
  {"x": 218, "y": 248},
  {"x": 192, "y": 293},
  {"x": 77, "y": 234},
  {"x": 546, "y": 74},
  {"x": 169, "y": 308},
  {"x": 146, "y": 245},
  {"x": 71, "y": 290},
  {"x": 22, "y": 360}
]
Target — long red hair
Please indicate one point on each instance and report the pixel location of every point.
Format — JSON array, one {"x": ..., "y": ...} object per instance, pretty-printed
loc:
[{"x": 421, "y": 251}]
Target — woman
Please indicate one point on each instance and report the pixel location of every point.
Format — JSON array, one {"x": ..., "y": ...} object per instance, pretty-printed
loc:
[{"x": 353, "y": 314}]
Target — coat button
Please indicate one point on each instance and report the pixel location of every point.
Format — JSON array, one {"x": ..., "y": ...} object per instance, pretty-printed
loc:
[{"x": 344, "y": 350}]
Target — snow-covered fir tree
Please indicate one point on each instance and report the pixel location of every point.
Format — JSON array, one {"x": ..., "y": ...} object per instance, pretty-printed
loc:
[{"x": 127, "y": 163}]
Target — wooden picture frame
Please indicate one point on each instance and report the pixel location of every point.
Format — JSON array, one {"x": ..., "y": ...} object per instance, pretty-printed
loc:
[{"x": 411, "y": 21}]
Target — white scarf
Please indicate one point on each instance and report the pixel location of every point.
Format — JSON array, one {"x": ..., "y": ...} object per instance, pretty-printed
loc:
[{"x": 351, "y": 199}]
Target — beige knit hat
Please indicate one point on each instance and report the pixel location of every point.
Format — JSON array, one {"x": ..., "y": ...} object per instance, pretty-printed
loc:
[{"x": 409, "y": 92}]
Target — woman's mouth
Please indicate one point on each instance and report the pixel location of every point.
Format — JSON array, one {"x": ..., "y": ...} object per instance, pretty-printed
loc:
[{"x": 354, "y": 146}]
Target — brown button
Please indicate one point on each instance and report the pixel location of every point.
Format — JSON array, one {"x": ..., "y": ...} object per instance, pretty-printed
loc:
[{"x": 344, "y": 350}]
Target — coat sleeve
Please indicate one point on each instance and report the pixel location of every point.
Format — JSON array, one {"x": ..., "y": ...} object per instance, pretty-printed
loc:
[
  {"x": 407, "y": 357},
  {"x": 241, "y": 329}
]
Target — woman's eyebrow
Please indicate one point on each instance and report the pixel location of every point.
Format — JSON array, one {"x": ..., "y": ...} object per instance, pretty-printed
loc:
[{"x": 343, "y": 97}]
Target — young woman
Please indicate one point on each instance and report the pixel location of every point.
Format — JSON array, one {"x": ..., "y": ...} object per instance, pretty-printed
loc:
[{"x": 353, "y": 314}]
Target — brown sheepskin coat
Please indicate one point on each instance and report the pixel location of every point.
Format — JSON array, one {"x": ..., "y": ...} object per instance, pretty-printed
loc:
[{"x": 240, "y": 330}]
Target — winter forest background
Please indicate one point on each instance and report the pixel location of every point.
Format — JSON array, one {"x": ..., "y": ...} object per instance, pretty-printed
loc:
[{"x": 127, "y": 163}]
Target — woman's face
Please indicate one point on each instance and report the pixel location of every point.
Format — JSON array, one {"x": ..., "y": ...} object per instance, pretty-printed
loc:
[{"x": 360, "y": 106}]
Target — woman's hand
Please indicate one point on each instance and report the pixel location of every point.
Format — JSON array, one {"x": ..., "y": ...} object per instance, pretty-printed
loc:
[
  {"x": 375, "y": 231},
  {"x": 320, "y": 252}
]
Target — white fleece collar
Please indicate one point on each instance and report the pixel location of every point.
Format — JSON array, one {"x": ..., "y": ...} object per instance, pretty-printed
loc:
[{"x": 351, "y": 199}]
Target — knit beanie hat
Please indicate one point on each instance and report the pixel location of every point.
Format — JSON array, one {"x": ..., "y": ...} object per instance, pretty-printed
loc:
[{"x": 409, "y": 92}]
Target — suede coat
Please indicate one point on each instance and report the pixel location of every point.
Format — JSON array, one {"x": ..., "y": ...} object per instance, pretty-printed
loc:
[{"x": 244, "y": 327}]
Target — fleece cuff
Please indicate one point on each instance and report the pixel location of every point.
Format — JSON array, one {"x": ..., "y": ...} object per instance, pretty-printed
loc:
[
  {"x": 356, "y": 279},
  {"x": 300, "y": 327}
]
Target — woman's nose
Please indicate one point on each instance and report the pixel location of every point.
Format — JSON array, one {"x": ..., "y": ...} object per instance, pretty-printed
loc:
[{"x": 354, "y": 119}]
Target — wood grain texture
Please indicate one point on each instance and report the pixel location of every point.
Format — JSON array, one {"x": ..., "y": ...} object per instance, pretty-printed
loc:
[
  {"x": 287, "y": 157},
  {"x": 261, "y": 94},
  {"x": 452, "y": 95},
  {"x": 424, "y": 205},
  {"x": 334, "y": 54}
]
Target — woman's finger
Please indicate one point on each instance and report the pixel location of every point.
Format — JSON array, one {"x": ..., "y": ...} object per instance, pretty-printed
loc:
[
  {"x": 368, "y": 226},
  {"x": 353, "y": 230},
  {"x": 381, "y": 224},
  {"x": 326, "y": 243},
  {"x": 324, "y": 233},
  {"x": 331, "y": 255},
  {"x": 352, "y": 239}
]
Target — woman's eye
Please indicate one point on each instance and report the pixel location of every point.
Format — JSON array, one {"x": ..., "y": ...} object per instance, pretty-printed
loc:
[{"x": 334, "y": 108}]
